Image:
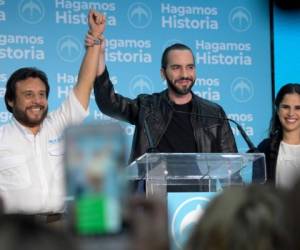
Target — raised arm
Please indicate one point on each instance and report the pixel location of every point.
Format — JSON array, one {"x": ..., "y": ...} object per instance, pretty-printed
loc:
[
  {"x": 89, "y": 65},
  {"x": 107, "y": 100}
]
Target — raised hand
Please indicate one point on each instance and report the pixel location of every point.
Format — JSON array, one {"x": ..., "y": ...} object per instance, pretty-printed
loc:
[{"x": 96, "y": 22}]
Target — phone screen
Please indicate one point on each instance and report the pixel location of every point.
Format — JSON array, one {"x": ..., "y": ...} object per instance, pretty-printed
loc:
[{"x": 94, "y": 159}]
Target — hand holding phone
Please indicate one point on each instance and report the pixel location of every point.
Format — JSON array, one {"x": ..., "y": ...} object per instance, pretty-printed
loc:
[{"x": 94, "y": 159}]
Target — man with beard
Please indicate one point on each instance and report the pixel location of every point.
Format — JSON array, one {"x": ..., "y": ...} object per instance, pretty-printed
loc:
[
  {"x": 31, "y": 144},
  {"x": 176, "y": 119}
]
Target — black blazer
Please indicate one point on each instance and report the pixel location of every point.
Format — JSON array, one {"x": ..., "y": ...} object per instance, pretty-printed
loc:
[{"x": 270, "y": 149}]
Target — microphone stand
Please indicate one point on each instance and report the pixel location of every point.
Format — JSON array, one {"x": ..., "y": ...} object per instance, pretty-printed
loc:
[
  {"x": 252, "y": 148},
  {"x": 152, "y": 148}
]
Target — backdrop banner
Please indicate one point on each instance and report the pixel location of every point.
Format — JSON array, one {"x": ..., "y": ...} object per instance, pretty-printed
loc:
[{"x": 230, "y": 39}]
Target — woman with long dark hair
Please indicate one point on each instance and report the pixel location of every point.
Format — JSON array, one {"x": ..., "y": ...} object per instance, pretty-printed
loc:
[{"x": 282, "y": 147}]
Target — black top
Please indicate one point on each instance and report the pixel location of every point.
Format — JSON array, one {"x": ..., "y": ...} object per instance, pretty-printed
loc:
[
  {"x": 179, "y": 136},
  {"x": 270, "y": 148}
]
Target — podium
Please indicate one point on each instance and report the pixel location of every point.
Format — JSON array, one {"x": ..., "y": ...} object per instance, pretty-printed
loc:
[
  {"x": 196, "y": 172},
  {"x": 186, "y": 182}
]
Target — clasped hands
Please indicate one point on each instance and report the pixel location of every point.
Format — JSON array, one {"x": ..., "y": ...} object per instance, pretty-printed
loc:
[{"x": 96, "y": 22}]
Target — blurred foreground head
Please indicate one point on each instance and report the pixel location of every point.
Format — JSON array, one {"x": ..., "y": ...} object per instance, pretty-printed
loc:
[
  {"x": 24, "y": 232},
  {"x": 243, "y": 218},
  {"x": 148, "y": 221},
  {"x": 293, "y": 208}
]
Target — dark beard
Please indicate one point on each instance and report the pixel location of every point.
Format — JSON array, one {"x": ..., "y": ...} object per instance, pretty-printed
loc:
[
  {"x": 179, "y": 91},
  {"x": 25, "y": 120}
]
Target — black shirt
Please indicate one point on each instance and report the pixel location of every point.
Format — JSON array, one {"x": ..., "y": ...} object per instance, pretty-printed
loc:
[{"x": 179, "y": 136}]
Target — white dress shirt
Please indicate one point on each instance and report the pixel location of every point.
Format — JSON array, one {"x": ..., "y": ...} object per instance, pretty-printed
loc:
[
  {"x": 31, "y": 166},
  {"x": 288, "y": 165}
]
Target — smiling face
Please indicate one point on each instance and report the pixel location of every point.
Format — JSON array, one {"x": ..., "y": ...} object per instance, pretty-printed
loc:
[
  {"x": 289, "y": 113},
  {"x": 30, "y": 106},
  {"x": 180, "y": 72}
]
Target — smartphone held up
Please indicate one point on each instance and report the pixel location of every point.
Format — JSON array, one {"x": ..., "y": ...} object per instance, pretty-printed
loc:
[{"x": 95, "y": 180}]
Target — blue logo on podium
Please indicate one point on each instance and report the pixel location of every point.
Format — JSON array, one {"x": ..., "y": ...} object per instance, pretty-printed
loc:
[{"x": 185, "y": 210}]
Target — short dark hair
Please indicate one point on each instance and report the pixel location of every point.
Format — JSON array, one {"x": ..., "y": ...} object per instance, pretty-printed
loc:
[
  {"x": 19, "y": 75},
  {"x": 175, "y": 46}
]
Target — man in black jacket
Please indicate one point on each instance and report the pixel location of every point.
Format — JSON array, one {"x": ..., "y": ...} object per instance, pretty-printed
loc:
[{"x": 176, "y": 119}]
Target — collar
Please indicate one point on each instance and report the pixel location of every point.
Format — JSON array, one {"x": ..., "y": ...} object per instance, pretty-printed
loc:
[{"x": 24, "y": 130}]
